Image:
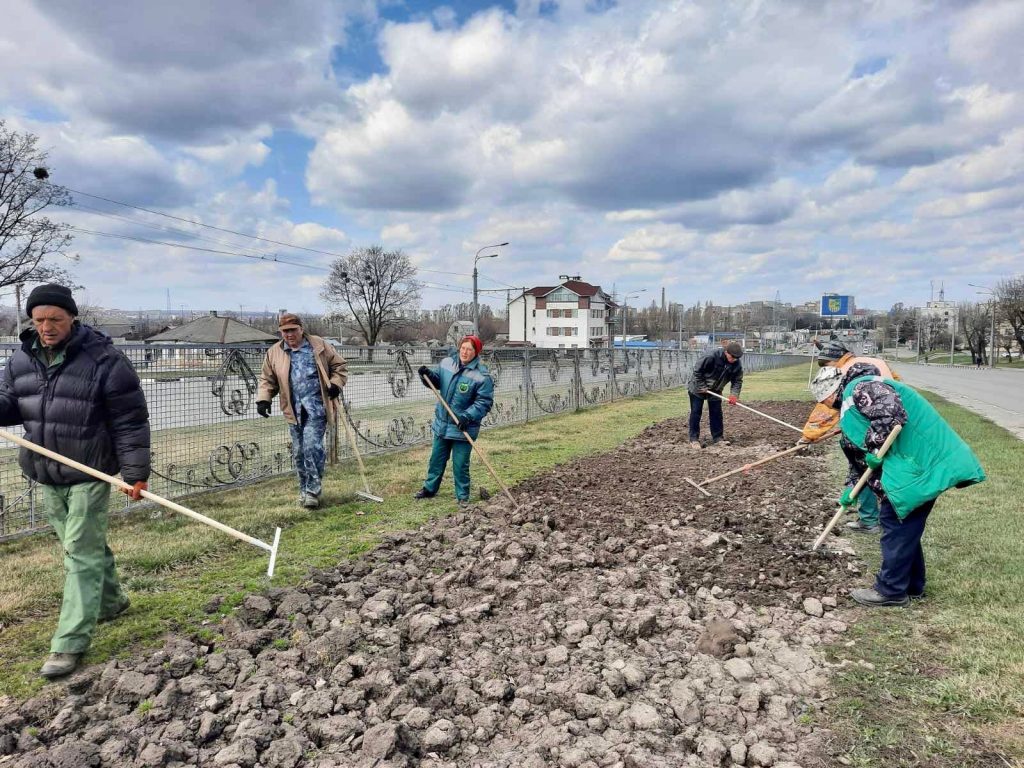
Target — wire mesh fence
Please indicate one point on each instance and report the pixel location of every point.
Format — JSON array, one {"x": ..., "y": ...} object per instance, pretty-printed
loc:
[{"x": 207, "y": 435}]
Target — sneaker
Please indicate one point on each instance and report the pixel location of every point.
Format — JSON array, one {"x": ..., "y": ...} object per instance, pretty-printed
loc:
[
  {"x": 310, "y": 501},
  {"x": 918, "y": 596},
  {"x": 695, "y": 444},
  {"x": 59, "y": 665},
  {"x": 463, "y": 503},
  {"x": 859, "y": 527},
  {"x": 423, "y": 493},
  {"x": 872, "y": 599},
  {"x": 123, "y": 606},
  {"x": 720, "y": 441}
]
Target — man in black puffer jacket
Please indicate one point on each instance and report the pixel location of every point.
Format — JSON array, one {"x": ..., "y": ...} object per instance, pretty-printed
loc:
[{"x": 78, "y": 396}]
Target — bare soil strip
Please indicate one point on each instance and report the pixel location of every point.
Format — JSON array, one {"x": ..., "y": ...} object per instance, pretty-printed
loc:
[{"x": 621, "y": 619}]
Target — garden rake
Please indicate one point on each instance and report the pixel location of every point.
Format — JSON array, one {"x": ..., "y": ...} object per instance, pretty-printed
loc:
[
  {"x": 121, "y": 484},
  {"x": 473, "y": 443},
  {"x": 366, "y": 493}
]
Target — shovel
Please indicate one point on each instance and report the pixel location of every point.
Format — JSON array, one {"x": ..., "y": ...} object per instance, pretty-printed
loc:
[
  {"x": 121, "y": 484},
  {"x": 366, "y": 493},
  {"x": 759, "y": 462},
  {"x": 858, "y": 487},
  {"x": 477, "y": 448},
  {"x": 754, "y": 410}
]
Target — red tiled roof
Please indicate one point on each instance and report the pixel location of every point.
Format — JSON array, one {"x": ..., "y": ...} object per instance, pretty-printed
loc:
[{"x": 578, "y": 287}]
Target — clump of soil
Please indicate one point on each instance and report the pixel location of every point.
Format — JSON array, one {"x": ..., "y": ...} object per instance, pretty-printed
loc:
[{"x": 620, "y": 618}]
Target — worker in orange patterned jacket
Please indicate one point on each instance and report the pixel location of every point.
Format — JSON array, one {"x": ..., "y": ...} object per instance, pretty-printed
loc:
[{"x": 825, "y": 418}]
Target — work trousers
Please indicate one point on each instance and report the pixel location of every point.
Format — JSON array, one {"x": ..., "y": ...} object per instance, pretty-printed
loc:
[
  {"x": 460, "y": 451},
  {"x": 308, "y": 452},
  {"x": 868, "y": 509},
  {"x": 78, "y": 513},
  {"x": 902, "y": 572},
  {"x": 714, "y": 416}
]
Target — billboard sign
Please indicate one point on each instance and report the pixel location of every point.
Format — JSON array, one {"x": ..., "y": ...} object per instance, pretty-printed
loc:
[{"x": 834, "y": 305}]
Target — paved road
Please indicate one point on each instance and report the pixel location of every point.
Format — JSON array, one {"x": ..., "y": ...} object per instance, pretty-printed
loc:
[{"x": 992, "y": 393}]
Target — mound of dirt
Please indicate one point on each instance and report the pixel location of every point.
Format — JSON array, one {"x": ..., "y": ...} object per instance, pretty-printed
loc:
[{"x": 620, "y": 618}]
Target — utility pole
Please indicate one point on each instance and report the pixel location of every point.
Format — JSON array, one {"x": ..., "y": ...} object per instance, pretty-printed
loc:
[
  {"x": 952, "y": 338},
  {"x": 775, "y": 324},
  {"x": 992, "y": 350}
]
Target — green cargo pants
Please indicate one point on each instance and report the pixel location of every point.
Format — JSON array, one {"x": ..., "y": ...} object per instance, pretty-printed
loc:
[
  {"x": 868, "y": 509},
  {"x": 78, "y": 513},
  {"x": 460, "y": 451}
]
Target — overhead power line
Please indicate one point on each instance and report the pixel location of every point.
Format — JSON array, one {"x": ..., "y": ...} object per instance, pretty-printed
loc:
[
  {"x": 226, "y": 230},
  {"x": 273, "y": 259}
]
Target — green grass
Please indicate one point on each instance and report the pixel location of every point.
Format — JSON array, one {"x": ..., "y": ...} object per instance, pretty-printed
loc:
[{"x": 173, "y": 567}]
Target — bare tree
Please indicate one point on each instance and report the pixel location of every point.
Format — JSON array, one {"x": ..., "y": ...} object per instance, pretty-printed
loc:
[
  {"x": 376, "y": 286},
  {"x": 1010, "y": 303},
  {"x": 28, "y": 239},
  {"x": 973, "y": 320}
]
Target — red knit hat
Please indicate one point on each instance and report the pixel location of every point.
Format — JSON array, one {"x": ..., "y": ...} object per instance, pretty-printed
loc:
[{"x": 474, "y": 340}]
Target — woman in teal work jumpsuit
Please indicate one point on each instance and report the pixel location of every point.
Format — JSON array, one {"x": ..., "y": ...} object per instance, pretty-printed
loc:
[{"x": 466, "y": 386}]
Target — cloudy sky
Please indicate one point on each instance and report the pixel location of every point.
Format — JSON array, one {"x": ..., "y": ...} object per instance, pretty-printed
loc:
[{"x": 721, "y": 150}]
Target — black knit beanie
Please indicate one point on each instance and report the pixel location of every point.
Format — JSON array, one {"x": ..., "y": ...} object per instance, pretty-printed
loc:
[{"x": 51, "y": 295}]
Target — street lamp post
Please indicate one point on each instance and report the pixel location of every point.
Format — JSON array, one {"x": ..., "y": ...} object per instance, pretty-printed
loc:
[
  {"x": 625, "y": 312},
  {"x": 476, "y": 303},
  {"x": 992, "y": 302}
]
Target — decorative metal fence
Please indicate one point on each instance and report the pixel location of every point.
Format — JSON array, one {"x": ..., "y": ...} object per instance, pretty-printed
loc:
[{"x": 207, "y": 435}]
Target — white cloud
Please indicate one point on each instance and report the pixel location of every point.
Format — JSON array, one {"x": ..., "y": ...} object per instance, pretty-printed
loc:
[{"x": 723, "y": 149}]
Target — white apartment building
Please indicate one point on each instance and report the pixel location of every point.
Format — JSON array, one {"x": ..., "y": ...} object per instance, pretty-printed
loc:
[{"x": 571, "y": 314}]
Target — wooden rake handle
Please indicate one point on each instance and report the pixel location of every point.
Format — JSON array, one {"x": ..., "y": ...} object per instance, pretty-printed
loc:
[
  {"x": 353, "y": 444},
  {"x": 766, "y": 459},
  {"x": 477, "y": 448},
  {"x": 122, "y": 485},
  {"x": 858, "y": 487},
  {"x": 754, "y": 410}
]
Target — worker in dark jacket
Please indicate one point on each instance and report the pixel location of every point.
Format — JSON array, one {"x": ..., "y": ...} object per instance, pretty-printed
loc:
[
  {"x": 712, "y": 372},
  {"x": 926, "y": 459},
  {"x": 466, "y": 385},
  {"x": 78, "y": 396}
]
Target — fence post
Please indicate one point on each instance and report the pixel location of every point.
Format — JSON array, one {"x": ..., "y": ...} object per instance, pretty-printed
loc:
[
  {"x": 611, "y": 372},
  {"x": 527, "y": 382},
  {"x": 577, "y": 381}
]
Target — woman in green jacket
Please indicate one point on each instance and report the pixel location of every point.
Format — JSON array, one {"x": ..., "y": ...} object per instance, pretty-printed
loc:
[{"x": 926, "y": 459}]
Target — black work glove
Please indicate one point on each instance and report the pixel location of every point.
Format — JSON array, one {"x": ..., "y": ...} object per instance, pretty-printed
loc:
[
  {"x": 333, "y": 391},
  {"x": 263, "y": 408},
  {"x": 459, "y": 418},
  {"x": 428, "y": 375}
]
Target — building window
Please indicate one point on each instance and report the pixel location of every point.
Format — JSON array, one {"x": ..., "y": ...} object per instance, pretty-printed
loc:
[
  {"x": 562, "y": 294},
  {"x": 570, "y": 331},
  {"x": 597, "y": 314}
]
